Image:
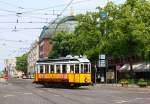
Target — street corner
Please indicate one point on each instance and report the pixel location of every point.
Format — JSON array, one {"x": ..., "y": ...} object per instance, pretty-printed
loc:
[{"x": 2, "y": 80}]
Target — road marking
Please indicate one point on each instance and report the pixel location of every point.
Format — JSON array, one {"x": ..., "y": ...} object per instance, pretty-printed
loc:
[
  {"x": 143, "y": 92},
  {"x": 8, "y": 96},
  {"x": 27, "y": 93},
  {"x": 141, "y": 98},
  {"x": 56, "y": 95},
  {"x": 122, "y": 101},
  {"x": 18, "y": 92},
  {"x": 132, "y": 100},
  {"x": 87, "y": 98}
]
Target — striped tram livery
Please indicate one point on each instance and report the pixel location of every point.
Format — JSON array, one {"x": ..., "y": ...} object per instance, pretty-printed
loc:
[{"x": 68, "y": 71}]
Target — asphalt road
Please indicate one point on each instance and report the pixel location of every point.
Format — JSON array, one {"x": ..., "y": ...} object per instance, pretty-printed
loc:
[{"x": 24, "y": 92}]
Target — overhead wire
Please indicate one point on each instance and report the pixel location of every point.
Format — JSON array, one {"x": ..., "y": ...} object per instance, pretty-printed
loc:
[
  {"x": 20, "y": 41},
  {"x": 5, "y": 10},
  {"x": 10, "y": 4},
  {"x": 44, "y": 9},
  {"x": 60, "y": 5},
  {"x": 63, "y": 10}
]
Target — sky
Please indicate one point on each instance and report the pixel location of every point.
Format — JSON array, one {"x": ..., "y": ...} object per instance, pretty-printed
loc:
[{"x": 21, "y": 21}]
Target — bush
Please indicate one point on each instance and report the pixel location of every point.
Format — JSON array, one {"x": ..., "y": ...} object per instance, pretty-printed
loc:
[
  {"x": 124, "y": 82},
  {"x": 142, "y": 83},
  {"x": 148, "y": 82}
]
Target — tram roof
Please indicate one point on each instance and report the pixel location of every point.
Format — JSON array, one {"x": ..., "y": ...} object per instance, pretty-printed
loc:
[{"x": 82, "y": 60}]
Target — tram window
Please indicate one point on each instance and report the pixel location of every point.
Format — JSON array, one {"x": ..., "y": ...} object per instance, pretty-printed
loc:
[
  {"x": 82, "y": 70},
  {"x": 76, "y": 68},
  {"x": 89, "y": 68},
  {"x": 36, "y": 69},
  {"x": 41, "y": 69},
  {"x": 52, "y": 68},
  {"x": 85, "y": 68},
  {"x": 46, "y": 69},
  {"x": 58, "y": 68},
  {"x": 71, "y": 68},
  {"x": 64, "y": 68}
]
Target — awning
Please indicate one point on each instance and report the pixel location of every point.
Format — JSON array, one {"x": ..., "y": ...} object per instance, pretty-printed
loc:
[{"x": 137, "y": 67}]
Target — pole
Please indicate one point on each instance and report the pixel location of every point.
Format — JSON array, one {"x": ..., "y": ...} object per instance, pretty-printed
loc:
[
  {"x": 116, "y": 75},
  {"x": 95, "y": 74}
]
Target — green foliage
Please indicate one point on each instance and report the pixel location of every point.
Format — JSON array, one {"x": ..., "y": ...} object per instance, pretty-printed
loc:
[
  {"x": 123, "y": 81},
  {"x": 62, "y": 44},
  {"x": 123, "y": 33},
  {"x": 21, "y": 63},
  {"x": 142, "y": 83},
  {"x": 129, "y": 35},
  {"x": 148, "y": 82}
]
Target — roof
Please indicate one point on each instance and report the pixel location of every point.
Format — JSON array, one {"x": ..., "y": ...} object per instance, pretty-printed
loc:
[
  {"x": 137, "y": 67},
  {"x": 65, "y": 60},
  {"x": 49, "y": 31}
]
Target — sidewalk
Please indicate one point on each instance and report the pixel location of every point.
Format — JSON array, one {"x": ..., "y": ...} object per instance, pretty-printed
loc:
[
  {"x": 118, "y": 85},
  {"x": 2, "y": 80}
]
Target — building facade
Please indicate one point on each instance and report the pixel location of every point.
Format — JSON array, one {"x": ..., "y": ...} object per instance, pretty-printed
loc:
[
  {"x": 33, "y": 56},
  {"x": 44, "y": 43},
  {"x": 44, "y": 48},
  {"x": 10, "y": 67},
  {"x": 67, "y": 24}
]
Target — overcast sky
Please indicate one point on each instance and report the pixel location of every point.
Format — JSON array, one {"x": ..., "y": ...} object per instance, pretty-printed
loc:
[{"x": 21, "y": 21}]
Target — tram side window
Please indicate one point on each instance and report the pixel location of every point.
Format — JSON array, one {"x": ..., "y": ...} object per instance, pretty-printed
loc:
[
  {"x": 46, "y": 69},
  {"x": 82, "y": 70},
  {"x": 76, "y": 68},
  {"x": 85, "y": 68},
  {"x": 89, "y": 68},
  {"x": 64, "y": 68},
  {"x": 41, "y": 69},
  {"x": 71, "y": 68},
  {"x": 52, "y": 68},
  {"x": 58, "y": 68}
]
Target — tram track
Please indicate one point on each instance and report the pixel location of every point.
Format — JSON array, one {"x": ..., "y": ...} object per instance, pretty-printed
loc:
[
  {"x": 43, "y": 93},
  {"x": 25, "y": 87},
  {"x": 61, "y": 95},
  {"x": 47, "y": 92}
]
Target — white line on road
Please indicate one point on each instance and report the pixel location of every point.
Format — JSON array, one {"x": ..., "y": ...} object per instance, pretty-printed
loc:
[
  {"x": 18, "y": 92},
  {"x": 141, "y": 99},
  {"x": 27, "y": 93},
  {"x": 132, "y": 100},
  {"x": 56, "y": 95},
  {"x": 8, "y": 96},
  {"x": 142, "y": 92},
  {"x": 122, "y": 101}
]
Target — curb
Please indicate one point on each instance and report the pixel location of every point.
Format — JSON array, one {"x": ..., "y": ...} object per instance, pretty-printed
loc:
[
  {"x": 119, "y": 85},
  {"x": 2, "y": 80}
]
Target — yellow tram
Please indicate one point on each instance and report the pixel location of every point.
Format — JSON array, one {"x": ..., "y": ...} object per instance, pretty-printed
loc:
[{"x": 70, "y": 71}]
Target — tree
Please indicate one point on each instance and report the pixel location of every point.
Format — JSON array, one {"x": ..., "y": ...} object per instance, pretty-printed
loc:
[
  {"x": 21, "y": 63},
  {"x": 129, "y": 35},
  {"x": 62, "y": 44},
  {"x": 123, "y": 33},
  {"x": 87, "y": 35}
]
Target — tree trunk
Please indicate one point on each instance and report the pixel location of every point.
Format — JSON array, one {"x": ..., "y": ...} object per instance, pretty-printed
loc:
[{"x": 131, "y": 69}]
